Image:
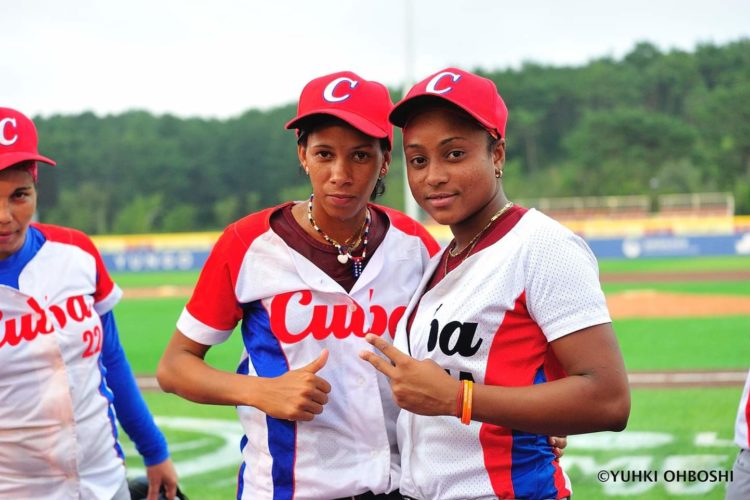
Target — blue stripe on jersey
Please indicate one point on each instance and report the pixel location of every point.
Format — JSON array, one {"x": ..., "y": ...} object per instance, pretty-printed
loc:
[
  {"x": 11, "y": 267},
  {"x": 244, "y": 367},
  {"x": 532, "y": 472},
  {"x": 241, "y": 473},
  {"x": 281, "y": 441},
  {"x": 107, "y": 393},
  {"x": 261, "y": 344},
  {"x": 268, "y": 359}
]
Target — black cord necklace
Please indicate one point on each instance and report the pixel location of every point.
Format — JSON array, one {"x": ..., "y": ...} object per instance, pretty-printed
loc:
[{"x": 344, "y": 251}]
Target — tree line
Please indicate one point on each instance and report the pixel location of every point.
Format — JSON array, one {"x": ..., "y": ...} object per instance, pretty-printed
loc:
[{"x": 652, "y": 122}]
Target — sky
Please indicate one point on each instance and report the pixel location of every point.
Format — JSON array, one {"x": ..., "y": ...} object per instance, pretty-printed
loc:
[{"x": 219, "y": 58}]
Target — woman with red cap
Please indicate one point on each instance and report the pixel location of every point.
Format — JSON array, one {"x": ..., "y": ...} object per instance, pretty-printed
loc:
[
  {"x": 306, "y": 281},
  {"x": 508, "y": 338},
  {"x": 63, "y": 373}
]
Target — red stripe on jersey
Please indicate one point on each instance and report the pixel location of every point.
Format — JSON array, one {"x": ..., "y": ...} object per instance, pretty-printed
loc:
[
  {"x": 562, "y": 490},
  {"x": 518, "y": 350},
  {"x": 747, "y": 420},
  {"x": 214, "y": 300},
  {"x": 69, "y": 236},
  {"x": 497, "y": 443},
  {"x": 553, "y": 370},
  {"x": 406, "y": 224}
]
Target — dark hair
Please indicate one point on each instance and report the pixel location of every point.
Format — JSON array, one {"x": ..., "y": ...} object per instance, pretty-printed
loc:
[
  {"x": 422, "y": 103},
  {"x": 26, "y": 166},
  {"x": 321, "y": 120},
  {"x": 492, "y": 142}
]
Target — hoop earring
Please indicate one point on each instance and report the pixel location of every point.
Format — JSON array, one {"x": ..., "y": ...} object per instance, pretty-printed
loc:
[{"x": 499, "y": 174}]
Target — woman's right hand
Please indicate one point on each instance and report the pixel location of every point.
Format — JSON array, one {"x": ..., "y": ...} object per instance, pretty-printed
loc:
[
  {"x": 298, "y": 394},
  {"x": 418, "y": 386}
]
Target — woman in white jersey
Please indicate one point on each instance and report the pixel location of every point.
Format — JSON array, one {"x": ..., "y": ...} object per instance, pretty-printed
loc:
[
  {"x": 63, "y": 373},
  {"x": 306, "y": 281},
  {"x": 739, "y": 487},
  {"x": 508, "y": 338}
]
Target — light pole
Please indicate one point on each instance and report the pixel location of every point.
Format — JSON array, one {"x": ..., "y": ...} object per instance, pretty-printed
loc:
[{"x": 410, "y": 206}]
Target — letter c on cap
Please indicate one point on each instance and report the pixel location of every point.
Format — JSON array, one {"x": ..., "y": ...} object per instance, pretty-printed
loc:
[
  {"x": 328, "y": 93},
  {"x": 432, "y": 85},
  {"x": 7, "y": 141}
]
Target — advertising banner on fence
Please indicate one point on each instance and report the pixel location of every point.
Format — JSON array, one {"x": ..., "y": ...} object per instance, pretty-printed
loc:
[{"x": 188, "y": 252}]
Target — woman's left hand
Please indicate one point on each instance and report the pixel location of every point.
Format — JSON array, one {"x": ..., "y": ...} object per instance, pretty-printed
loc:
[
  {"x": 162, "y": 474},
  {"x": 421, "y": 387},
  {"x": 558, "y": 444}
]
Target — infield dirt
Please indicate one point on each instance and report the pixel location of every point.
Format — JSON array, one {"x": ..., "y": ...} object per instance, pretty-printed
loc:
[{"x": 630, "y": 304}]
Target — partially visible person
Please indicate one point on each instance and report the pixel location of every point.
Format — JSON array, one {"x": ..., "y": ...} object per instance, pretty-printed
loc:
[
  {"x": 739, "y": 487},
  {"x": 63, "y": 373},
  {"x": 508, "y": 339},
  {"x": 306, "y": 281}
]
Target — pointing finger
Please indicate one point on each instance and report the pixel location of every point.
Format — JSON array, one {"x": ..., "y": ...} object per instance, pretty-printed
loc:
[
  {"x": 391, "y": 352},
  {"x": 379, "y": 363}
]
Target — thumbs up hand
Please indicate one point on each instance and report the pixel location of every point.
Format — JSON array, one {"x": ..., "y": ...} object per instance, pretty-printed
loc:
[{"x": 298, "y": 394}]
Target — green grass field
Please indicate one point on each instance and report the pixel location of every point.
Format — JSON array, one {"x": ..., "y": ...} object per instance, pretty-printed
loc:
[
  {"x": 669, "y": 429},
  {"x": 732, "y": 263},
  {"x": 729, "y": 263},
  {"x": 701, "y": 288}
]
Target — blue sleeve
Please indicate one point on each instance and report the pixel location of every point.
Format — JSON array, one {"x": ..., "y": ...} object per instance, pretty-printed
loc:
[{"x": 131, "y": 409}]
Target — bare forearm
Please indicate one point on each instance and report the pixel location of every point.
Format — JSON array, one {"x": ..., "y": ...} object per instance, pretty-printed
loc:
[
  {"x": 573, "y": 405},
  {"x": 593, "y": 397},
  {"x": 192, "y": 378},
  {"x": 296, "y": 395}
]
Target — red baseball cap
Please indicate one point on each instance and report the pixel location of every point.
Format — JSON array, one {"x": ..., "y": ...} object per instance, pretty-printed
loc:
[
  {"x": 18, "y": 140},
  {"x": 361, "y": 103},
  {"x": 476, "y": 95}
]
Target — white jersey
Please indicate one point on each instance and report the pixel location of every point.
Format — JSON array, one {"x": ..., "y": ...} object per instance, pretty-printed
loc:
[
  {"x": 57, "y": 433},
  {"x": 741, "y": 433},
  {"x": 491, "y": 320},
  {"x": 290, "y": 310}
]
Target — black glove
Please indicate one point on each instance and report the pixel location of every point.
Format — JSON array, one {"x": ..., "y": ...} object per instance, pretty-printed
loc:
[{"x": 138, "y": 487}]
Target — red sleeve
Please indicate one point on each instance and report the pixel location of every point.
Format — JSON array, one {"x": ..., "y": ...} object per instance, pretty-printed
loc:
[
  {"x": 214, "y": 301},
  {"x": 104, "y": 283}
]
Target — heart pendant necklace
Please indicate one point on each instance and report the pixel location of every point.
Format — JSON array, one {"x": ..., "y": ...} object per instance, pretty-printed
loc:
[{"x": 345, "y": 255}]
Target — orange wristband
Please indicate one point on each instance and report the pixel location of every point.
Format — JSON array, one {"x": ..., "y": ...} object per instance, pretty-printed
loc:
[{"x": 467, "y": 400}]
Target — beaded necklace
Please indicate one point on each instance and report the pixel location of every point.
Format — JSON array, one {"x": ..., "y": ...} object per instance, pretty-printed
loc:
[
  {"x": 468, "y": 248},
  {"x": 344, "y": 250}
]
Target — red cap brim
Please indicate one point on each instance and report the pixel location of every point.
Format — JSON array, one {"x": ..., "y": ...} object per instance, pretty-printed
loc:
[
  {"x": 362, "y": 124},
  {"x": 10, "y": 159},
  {"x": 403, "y": 110}
]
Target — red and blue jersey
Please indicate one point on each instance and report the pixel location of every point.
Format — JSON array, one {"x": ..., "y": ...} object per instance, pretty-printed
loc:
[
  {"x": 491, "y": 320},
  {"x": 288, "y": 310},
  {"x": 60, "y": 363}
]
